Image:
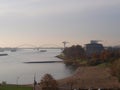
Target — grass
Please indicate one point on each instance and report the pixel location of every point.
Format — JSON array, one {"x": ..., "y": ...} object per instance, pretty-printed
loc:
[
  {"x": 102, "y": 65},
  {"x": 83, "y": 61},
  {"x": 14, "y": 87}
]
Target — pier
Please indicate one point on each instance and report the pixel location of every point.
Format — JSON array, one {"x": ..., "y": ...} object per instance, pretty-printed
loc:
[{"x": 44, "y": 62}]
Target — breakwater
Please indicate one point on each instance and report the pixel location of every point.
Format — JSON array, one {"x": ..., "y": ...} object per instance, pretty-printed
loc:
[{"x": 44, "y": 62}]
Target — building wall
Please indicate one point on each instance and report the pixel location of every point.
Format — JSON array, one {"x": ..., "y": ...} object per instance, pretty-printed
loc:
[{"x": 93, "y": 48}]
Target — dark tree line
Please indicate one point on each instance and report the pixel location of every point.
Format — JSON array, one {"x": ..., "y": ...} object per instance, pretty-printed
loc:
[
  {"x": 104, "y": 57},
  {"x": 74, "y": 52}
]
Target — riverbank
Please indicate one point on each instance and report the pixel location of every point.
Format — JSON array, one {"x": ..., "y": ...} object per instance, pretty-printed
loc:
[
  {"x": 91, "y": 76},
  {"x": 75, "y": 63},
  {"x": 87, "y": 76}
]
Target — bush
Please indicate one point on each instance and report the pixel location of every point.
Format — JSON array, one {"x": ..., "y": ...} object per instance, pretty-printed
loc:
[
  {"x": 94, "y": 62},
  {"x": 115, "y": 68},
  {"x": 74, "y": 52},
  {"x": 48, "y": 83},
  {"x": 4, "y": 83}
]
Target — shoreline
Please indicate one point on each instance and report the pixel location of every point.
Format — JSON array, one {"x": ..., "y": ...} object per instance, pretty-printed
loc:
[{"x": 91, "y": 76}]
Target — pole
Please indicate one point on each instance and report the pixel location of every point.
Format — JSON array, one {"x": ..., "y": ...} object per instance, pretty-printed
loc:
[
  {"x": 34, "y": 82},
  {"x": 17, "y": 80}
]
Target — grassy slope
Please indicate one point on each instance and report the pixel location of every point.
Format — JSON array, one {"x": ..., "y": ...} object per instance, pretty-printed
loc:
[
  {"x": 13, "y": 87},
  {"x": 92, "y": 76}
]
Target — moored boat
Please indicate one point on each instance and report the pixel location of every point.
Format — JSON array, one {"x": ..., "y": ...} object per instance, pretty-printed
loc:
[{"x": 43, "y": 50}]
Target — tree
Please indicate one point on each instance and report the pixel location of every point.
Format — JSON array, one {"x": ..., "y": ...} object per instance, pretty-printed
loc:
[
  {"x": 74, "y": 52},
  {"x": 48, "y": 83}
]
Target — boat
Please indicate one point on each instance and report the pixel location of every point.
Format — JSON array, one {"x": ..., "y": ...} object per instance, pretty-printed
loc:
[
  {"x": 43, "y": 50},
  {"x": 13, "y": 50}
]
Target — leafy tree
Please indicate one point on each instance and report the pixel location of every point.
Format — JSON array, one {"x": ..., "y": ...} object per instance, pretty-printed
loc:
[
  {"x": 74, "y": 52},
  {"x": 48, "y": 83}
]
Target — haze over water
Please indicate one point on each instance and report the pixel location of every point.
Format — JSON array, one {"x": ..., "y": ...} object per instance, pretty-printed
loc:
[{"x": 13, "y": 70}]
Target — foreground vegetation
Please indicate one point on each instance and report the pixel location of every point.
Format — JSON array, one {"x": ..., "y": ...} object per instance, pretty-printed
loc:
[
  {"x": 115, "y": 69},
  {"x": 15, "y": 87},
  {"x": 48, "y": 83},
  {"x": 84, "y": 78}
]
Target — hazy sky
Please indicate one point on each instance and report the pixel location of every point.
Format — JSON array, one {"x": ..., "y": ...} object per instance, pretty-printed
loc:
[{"x": 41, "y": 22}]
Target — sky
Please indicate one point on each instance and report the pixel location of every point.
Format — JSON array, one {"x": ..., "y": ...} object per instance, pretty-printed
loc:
[{"x": 39, "y": 22}]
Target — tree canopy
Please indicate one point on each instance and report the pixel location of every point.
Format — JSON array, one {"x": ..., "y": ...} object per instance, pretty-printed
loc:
[
  {"x": 74, "y": 52},
  {"x": 48, "y": 83}
]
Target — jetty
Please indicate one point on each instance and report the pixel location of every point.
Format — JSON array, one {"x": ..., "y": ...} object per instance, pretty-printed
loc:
[
  {"x": 44, "y": 62},
  {"x": 4, "y": 54}
]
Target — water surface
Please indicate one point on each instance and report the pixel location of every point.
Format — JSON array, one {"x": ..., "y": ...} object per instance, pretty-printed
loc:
[{"x": 13, "y": 70}]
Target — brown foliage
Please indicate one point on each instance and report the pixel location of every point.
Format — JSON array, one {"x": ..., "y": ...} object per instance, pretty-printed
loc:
[
  {"x": 115, "y": 68},
  {"x": 48, "y": 83},
  {"x": 74, "y": 52},
  {"x": 105, "y": 55}
]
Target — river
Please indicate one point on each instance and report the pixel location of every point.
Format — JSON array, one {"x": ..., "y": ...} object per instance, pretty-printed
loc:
[{"x": 13, "y": 70}]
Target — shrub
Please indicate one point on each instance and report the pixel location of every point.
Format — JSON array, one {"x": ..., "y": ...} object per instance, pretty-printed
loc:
[
  {"x": 115, "y": 68},
  {"x": 48, "y": 83},
  {"x": 4, "y": 83}
]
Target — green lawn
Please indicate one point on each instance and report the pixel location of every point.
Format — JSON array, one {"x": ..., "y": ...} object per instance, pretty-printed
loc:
[{"x": 13, "y": 87}]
